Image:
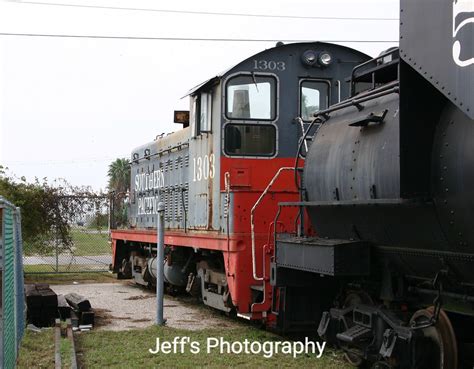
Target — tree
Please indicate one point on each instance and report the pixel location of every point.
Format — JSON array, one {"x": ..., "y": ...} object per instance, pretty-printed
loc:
[
  {"x": 119, "y": 184},
  {"x": 47, "y": 210},
  {"x": 119, "y": 175}
]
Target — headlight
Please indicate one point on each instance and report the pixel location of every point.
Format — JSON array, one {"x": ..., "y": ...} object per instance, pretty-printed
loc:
[
  {"x": 309, "y": 57},
  {"x": 324, "y": 58}
]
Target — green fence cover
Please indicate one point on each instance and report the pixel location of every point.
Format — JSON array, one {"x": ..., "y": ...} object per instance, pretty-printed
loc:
[{"x": 8, "y": 290}]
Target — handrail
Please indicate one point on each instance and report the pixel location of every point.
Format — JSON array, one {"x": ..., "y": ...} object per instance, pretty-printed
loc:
[
  {"x": 387, "y": 89},
  {"x": 252, "y": 225},
  {"x": 381, "y": 56},
  {"x": 226, "y": 216},
  {"x": 376, "y": 59}
]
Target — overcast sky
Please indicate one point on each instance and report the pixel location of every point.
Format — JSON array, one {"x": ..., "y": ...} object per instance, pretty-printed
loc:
[{"x": 69, "y": 106}]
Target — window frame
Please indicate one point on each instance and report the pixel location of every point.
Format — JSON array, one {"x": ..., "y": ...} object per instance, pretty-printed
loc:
[
  {"x": 196, "y": 107},
  {"x": 209, "y": 111},
  {"x": 300, "y": 93},
  {"x": 240, "y": 155},
  {"x": 196, "y": 110},
  {"x": 276, "y": 99}
]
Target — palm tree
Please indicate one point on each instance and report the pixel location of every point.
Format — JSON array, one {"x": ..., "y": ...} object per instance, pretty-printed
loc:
[
  {"x": 119, "y": 175},
  {"x": 119, "y": 184}
]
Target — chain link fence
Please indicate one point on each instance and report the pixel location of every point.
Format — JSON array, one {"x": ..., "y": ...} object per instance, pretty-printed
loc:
[
  {"x": 12, "y": 307},
  {"x": 83, "y": 247}
]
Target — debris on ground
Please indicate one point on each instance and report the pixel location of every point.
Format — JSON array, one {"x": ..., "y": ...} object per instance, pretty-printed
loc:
[
  {"x": 141, "y": 297},
  {"x": 84, "y": 316},
  {"x": 33, "y": 328},
  {"x": 78, "y": 302},
  {"x": 64, "y": 309},
  {"x": 42, "y": 304}
]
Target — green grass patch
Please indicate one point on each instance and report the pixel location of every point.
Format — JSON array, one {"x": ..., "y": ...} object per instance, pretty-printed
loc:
[
  {"x": 65, "y": 278},
  {"x": 85, "y": 241},
  {"x": 129, "y": 349},
  {"x": 45, "y": 247},
  {"x": 65, "y": 349},
  {"x": 71, "y": 269},
  {"x": 40, "y": 268},
  {"x": 90, "y": 242},
  {"x": 37, "y": 350}
]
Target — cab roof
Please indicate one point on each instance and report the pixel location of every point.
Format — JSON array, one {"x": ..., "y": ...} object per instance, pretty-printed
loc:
[{"x": 213, "y": 80}]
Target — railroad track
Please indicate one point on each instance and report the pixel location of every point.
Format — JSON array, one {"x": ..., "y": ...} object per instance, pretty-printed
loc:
[{"x": 68, "y": 334}]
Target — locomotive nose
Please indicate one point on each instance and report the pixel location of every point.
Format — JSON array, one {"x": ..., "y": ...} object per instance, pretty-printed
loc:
[{"x": 453, "y": 177}]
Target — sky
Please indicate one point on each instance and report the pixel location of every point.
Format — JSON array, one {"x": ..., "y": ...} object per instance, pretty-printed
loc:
[{"x": 70, "y": 106}]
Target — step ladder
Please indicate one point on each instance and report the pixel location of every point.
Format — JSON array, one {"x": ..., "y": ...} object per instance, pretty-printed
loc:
[{"x": 354, "y": 334}]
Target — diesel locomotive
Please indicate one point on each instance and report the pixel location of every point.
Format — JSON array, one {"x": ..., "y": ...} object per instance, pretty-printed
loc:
[
  {"x": 240, "y": 133},
  {"x": 319, "y": 190}
]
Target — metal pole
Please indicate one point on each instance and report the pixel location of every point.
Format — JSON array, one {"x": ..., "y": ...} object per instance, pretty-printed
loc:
[
  {"x": 57, "y": 252},
  {"x": 160, "y": 259}
]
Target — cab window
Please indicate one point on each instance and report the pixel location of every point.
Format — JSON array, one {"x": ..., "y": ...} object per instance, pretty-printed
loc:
[
  {"x": 202, "y": 112},
  {"x": 251, "y": 97},
  {"x": 250, "y": 139},
  {"x": 205, "y": 112},
  {"x": 314, "y": 96}
]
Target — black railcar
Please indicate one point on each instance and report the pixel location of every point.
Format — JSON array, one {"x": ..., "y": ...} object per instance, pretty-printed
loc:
[{"x": 388, "y": 185}]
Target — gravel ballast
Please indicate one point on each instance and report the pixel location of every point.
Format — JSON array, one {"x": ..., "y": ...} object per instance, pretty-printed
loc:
[{"x": 123, "y": 306}]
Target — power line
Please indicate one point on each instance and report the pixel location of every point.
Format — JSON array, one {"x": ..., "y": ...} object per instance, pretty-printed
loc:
[
  {"x": 57, "y": 162},
  {"x": 54, "y": 163},
  {"x": 195, "y": 12},
  {"x": 184, "y": 38}
]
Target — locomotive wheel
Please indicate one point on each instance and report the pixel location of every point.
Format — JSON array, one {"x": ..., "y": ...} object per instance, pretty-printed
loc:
[
  {"x": 381, "y": 365},
  {"x": 353, "y": 359},
  {"x": 125, "y": 270},
  {"x": 443, "y": 351},
  {"x": 358, "y": 297}
]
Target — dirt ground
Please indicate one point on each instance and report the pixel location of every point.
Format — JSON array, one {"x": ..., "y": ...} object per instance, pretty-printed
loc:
[{"x": 123, "y": 306}]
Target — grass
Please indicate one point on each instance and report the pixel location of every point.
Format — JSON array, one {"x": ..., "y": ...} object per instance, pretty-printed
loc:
[
  {"x": 85, "y": 242},
  {"x": 37, "y": 350},
  {"x": 129, "y": 349},
  {"x": 71, "y": 269},
  {"x": 90, "y": 242},
  {"x": 65, "y": 349},
  {"x": 64, "y": 278}
]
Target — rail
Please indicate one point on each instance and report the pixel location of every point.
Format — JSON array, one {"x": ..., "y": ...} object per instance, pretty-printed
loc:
[
  {"x": 378, "y": 64},
  {"x": 389, "y": 88},
  {"x": 147, "y": 155},
  {"x": 69, "y": 335}
]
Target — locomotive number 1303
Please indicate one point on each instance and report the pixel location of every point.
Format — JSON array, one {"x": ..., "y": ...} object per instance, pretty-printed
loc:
[
  {"x": 204, "y": 167},
  {"x": 269, "y": 65}
]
